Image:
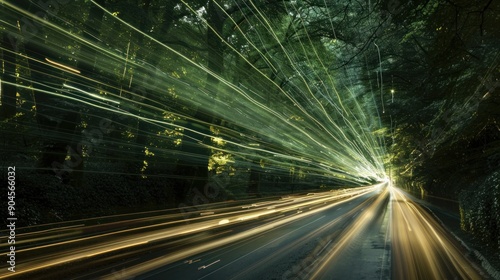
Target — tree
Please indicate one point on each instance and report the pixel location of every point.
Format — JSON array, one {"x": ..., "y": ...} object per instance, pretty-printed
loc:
[{"x": 8, "y": 78}]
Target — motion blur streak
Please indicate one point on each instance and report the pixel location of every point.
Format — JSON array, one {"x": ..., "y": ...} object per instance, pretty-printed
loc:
[
  {"x": 421, "y": 247},
  {"x": 167, "y": 259},
  {"x": 308, "y": 236},
  {"x": 74, "y": 243},
  {"x": 351, "y": 232}
]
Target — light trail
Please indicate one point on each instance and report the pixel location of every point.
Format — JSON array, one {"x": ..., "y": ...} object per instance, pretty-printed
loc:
[
  {"x": 284, "y": 107},
  {"x": 307, "y": 129},
  {"x": 79, "y": 248},
  {"x": 349, "y": 234},
  {"x": 426, "y": 250}
]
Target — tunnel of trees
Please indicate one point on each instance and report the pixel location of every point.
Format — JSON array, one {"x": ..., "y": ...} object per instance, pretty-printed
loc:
[{"x": 115, "y": 106}]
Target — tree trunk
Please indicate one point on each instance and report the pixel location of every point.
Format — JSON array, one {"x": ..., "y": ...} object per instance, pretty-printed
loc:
[
  {"x": 8, "y": 90},
  {"x": 253, "y": 184},
  {"x": 57, "y": 117},
  {"x": 86, "y": 67},
  {"x": 215, "y": 19},
  {"x": 142, "y": 126},
  {"x": 87, "y": 60},
  {"x": 192, "y": 166}
]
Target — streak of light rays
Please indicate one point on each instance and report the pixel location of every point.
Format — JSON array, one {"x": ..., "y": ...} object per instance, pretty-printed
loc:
[
  {"x": 59, "y": 30},
  {"x": 329, "y": 239},
  {"x": 254, "y": 102},
  {"x": 350, "y": 233},
  {"x": 111, "y": 56},
  {"x": 369, "y": 143},
  {"x": 139, "y": 216},
  {"x": 359, "y": 111},
  {"x": 394, "y": 198},
  {"x": 141, "y": 231},
  {"x": 234, "y": 151},
  {"x": 167, "y": 259},
  {"x": 232, "y": 214},
  {"x": 62, "y": 66},
  {"x": 300, "y": 75},
  {"x": 313, "y": 139},
  {"x": 330, "y": 80},
  {"x": 104, "y": 106},
  {"x": 425, "y": 248},
  {"x": 270, "y": 29},
  {"x": 70, "y": 70},
  {"x": 91, "y": 94},
  {"x": 318, "y": 103},
  {"x": 92, "y": 102}
]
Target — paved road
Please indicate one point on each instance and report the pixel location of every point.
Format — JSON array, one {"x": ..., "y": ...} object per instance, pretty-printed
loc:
[
  {"x": 324, "y": 243},
  {"x": 422, "y": 248},
  {"x": 366, "y": 233},
  {"x": 379, "y": 235}
]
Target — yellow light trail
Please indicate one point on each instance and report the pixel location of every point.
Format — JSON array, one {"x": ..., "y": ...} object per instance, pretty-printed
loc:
[
  {"x": 424, "y": 250},
  {"x": 76, "y": 249}
]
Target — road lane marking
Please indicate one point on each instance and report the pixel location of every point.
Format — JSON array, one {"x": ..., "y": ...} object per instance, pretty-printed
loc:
[
  {"x": 272, "y": 241},
  {"x": 205, "y": 266},
  {"x": 324, "y": 247},
  {"x": 192, "y": 261}
]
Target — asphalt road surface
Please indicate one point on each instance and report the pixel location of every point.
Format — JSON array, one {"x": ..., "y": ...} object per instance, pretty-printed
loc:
[{"x": 373, "y": 232}]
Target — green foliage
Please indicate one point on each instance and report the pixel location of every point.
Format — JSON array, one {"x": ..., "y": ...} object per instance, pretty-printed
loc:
[
  {"x": 445, "y": 136},
  {"x": 480, "y": 211}
]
